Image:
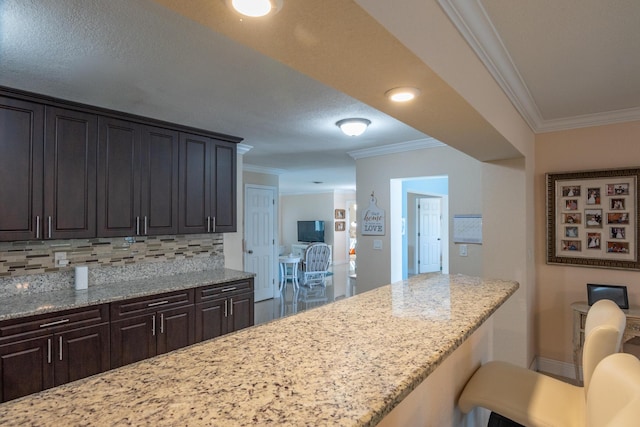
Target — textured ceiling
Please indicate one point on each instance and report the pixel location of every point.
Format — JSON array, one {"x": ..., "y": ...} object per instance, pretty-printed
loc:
[{"x": 282, "y": 83}]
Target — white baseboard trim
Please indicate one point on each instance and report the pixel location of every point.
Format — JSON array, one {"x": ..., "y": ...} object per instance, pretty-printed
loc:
[{"x": 555, "y": 367}]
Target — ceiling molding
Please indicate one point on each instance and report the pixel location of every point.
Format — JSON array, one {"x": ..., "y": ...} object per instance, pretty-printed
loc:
[
  {"x": 262, "y": 169},
  {"x": 471, "y": 19},
  {"x": 243, "y": 148},
  {"x": 586, "y": 120},
  {"x": 400, "y": 147}
]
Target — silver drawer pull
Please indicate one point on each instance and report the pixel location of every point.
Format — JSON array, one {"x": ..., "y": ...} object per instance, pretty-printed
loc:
[
  {"x": 229, "y": 289},
  {"x": 57, "y": 322},
  {"x": 153, "y": 304}
]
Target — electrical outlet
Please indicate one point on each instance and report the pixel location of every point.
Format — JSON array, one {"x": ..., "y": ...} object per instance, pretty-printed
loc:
[
  {"x": 60, "y": 259},
  {"x": 463, "y": 250}
]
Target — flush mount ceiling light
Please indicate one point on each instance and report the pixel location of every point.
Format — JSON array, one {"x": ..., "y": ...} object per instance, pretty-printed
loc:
[
  {"x": 255, "y": 8},
  {"x": 353, "y": 127},
  {"x": 402, "y": 94}
]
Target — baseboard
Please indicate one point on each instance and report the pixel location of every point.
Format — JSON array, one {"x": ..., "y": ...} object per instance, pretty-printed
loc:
[{"x": 555, "y": 367}]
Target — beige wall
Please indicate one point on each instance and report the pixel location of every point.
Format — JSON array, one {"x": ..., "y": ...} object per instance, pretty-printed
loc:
[
  {"x": 305, "y": 207},
  {"x": 601, "y": 147},
  {"x": 341, "y": 238},
  {"x": 465, "y": 196}
]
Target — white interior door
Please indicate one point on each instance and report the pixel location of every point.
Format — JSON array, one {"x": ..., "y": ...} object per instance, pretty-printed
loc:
[
  {"x": 260, "y": 242},
  {"x": 429, "y": 237}
]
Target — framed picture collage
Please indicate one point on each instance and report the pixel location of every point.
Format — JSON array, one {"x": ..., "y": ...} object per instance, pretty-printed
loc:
[{"x": 593, "y": 218}]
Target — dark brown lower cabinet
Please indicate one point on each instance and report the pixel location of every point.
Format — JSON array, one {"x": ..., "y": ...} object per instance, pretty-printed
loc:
[
  {"x": 221, "y": 309},
  {"x": 41, "y": 352},
  {"x": 146, "y": 330},
  {"x": 44, "y": 351}
]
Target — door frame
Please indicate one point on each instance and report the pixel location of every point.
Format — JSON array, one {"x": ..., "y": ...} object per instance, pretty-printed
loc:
[{"x": 276, "y": 233}]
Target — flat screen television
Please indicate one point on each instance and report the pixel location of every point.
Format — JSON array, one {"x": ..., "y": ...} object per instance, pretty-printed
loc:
[{"x": 310, "y": 231}]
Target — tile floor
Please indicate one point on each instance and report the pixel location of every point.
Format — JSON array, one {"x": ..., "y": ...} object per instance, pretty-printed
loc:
[{"x": 339, "y": 285}]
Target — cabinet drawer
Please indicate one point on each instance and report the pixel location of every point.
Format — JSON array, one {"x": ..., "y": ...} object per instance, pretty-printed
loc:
[
  {"x": 142, "y": 305},
  {"x": 212, "y": 292},
  {"x": 55, "y": 322}
]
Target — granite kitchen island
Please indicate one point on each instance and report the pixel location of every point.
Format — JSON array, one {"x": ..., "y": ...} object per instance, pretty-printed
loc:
[{"x": 349, "y": 363}]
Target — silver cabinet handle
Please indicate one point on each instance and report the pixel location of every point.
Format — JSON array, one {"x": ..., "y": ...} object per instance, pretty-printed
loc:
[
  {"x": 213, "y": 229},
  {"x": 49, "y": 226},
  {"x": 57, "y": 322},
  {"x": 145, "y": 225},
  {"x": 153, "y": 304},
  {"x": 208, "y": 224},
  {"x": 228, "y": 289},
  {"x": 225, "y": 308},
  {"x": 231, "y": 305},
  {"x": 60, "y": 345},
  {"x": 162, "y": 323},
  {"x": 153, "y": 325},
  {"x": 48, "y": 350},
  {"x": 37, "y": 226},
  {"x": 137, "y": 226}
]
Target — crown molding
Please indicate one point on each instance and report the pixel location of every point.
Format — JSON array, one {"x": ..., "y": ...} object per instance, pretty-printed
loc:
[
  {"x": 262, "y": 169},
  {"x": 471, "y": 19},
  {"x": 587, "y": 120},
  {"x": 400, "y": 147},
  {"x": 243, "y": 148}
]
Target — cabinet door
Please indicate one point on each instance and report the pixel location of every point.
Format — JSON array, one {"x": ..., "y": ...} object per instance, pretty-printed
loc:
[
  {"x": 195, "y": 184},
  {"x": 223, "y": 186},
  {"x": 241, "y": 311},
  {"x": 175, "y": 328},
  {"x": 159, "y": 181},
  {"x": 21, "y": 154},
  {"x": 25, "y": 367},
  {"x": 70, "y": 174},
  {"x": 81, "y": 353},
  {"x": 118, "y": 178},
  {"x": 132, "y": 340},
  {"x": 211, "y": 319}
]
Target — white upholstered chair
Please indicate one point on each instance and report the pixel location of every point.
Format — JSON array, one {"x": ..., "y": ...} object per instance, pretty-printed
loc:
[
  {"x": 534, "y": 399},
  {"x": 315, "y": 264},
  {"x": 614, "y": 395}
]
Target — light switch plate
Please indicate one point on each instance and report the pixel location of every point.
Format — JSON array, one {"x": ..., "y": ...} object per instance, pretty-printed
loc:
[
  {"x": 377, "y": 244},
  {"x": 463, "y": 250}
]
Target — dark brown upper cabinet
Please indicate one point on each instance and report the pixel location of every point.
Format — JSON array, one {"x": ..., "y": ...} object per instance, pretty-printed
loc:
[
  {"x": 21, "y": 157},
  {"x": 137, "y": 179},
  {"x": 69, "y": 174},
  {"x": 207, "y": 185},
  {"x": 74, "y": 171}
]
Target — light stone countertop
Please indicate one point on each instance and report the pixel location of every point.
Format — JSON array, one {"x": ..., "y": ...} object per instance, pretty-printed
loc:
[
  {"x": 348, "y": 363},
  {"x": 17, "y": 306}
]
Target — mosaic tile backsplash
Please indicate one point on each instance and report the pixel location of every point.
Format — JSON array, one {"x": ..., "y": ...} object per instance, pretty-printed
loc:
[{"x": 31, "y": 266}]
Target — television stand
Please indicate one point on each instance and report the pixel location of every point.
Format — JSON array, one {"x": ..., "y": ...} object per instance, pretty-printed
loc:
[{"x": 297, "y": 249}]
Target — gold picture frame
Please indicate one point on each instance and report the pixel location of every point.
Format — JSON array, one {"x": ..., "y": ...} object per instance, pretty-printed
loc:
[
  {"x": 340, "y": 226},
  {"x": 340, "y": 214},
  {"x": 592, "y": 218}
]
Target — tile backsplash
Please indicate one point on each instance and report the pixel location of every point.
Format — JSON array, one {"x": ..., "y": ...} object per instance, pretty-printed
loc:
[{"x": 108, "y": 259}]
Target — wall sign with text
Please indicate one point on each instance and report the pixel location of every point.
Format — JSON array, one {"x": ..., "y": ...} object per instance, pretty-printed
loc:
[{"x": 373, "y": 219}]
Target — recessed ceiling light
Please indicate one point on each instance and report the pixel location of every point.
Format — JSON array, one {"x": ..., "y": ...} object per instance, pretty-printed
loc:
[
  {"x": 353, "y": 127},
  {"x": 402, "y": 94},
  {"x": 255, "y": 8}
]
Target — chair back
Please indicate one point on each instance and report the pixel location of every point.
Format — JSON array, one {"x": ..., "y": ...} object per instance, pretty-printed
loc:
[
  {"x": 614, "y": 395},
  {"x": 603, "y": 331},
  {"x": 316, "y": 257}
]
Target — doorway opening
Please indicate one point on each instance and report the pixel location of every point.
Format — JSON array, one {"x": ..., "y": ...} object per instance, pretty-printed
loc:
[{"x": 419, "y": 233}]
